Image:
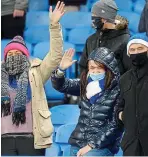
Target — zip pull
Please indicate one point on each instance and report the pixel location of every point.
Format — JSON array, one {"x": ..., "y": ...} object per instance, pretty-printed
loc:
[{"x": 34, "y": 79}]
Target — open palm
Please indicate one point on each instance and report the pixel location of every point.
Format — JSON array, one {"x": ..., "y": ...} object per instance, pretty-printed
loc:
[
  {"x": 67, "y": 59},
  {"x": 58, "y": 12}
]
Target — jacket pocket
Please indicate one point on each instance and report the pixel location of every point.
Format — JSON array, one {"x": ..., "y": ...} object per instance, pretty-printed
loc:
[{"x": 45, "y": 124}]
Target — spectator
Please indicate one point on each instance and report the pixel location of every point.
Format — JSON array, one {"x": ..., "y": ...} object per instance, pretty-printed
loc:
[
  {"x": 26, "y": 124},
  {"x": 112, "y": 32},
  {"x": 13, "y": 17},
  {"x": 96, "y": 133},
  {"x": 133, "y": 111},
  {"x": 143, "y": 25},
  {"x": 71, "y": 5}
]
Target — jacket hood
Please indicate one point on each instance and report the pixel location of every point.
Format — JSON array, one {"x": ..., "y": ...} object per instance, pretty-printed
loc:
[
  {"x": 120, "y": 29},
  {"x": 106, "y": 57},
  {"x": 121, "y": 23}
]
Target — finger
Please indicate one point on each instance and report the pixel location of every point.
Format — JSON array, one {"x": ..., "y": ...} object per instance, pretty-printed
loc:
[
  {"x": 66, "y": 53},
  {"x": 58, "y": 4},
  {"x": 14, "y": 14},
  {"x": 63, "y": 12},
  {"x": 74, "y": 61},
  {"x": 61, "y": 6},
  {"x": 50, "y": 9},
  {"x": 73, "y": 52},
  {"x": 79, "y": 154}
]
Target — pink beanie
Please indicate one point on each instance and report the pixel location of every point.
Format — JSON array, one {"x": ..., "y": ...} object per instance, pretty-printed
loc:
[{"x": 17, "y": 43}]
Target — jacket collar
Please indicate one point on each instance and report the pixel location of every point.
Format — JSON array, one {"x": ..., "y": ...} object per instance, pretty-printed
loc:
[
  {"x": 35, "y": 62},
  {"x": 140, "y": 72}
]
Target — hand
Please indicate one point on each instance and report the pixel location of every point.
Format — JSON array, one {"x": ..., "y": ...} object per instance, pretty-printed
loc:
[
  {"x": 120, "y": 116},
  {"x": 67, "y": 59},
  {"x": 58, "y": 12},
  {"x": 18, "y": 13},
  {"x": 84, "y": 150}
]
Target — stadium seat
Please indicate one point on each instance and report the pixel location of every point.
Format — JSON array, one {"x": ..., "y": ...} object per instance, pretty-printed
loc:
[
  {"x": 63, "y": 135},
  {"x": 51, "y": 93},
  {"x": 133, "y": 19},
  {"x": 4, "y": 42},
  {"x": 41, "y": 49},
  {"x": 120, "y": 153},
  {"x": 66, "y": 150},
  {"x": 38, "y": 34},
  {"x": 78, "y": 37},
  {"x": 124, "y": 5},
  {"x": 37, "y": 18},
  {"x": 76, "y": 19},
  {"x": 54, "y": 150},
  {"x": 38, "y": 5},
  {"x": 64, "y": 114},
  {"x": 138, "y": 6}
]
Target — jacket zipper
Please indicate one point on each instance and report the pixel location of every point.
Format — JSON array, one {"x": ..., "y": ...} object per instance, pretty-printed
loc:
[
  {"x": 136, "y": 107},
  {"x": 100, "y": 41},
  {"x": 34, "y": 79}
]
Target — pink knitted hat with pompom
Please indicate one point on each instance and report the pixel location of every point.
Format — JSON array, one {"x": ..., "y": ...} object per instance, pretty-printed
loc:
[{"x": 17, "y": 43}]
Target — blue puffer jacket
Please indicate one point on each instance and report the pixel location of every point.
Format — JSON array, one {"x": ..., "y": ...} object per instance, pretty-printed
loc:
[{"x": 96, "y": 125}]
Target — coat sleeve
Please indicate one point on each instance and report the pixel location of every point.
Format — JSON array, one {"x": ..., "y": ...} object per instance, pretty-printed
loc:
[
  {"x": 64, "y": 85},
  {"x": 108, "y": 134},
  {"x": 21, "y": 4},
  {"x": 53, "y": 58},
  {"x": 83, "y": 59},
  {"x": 142, "y": 23}
]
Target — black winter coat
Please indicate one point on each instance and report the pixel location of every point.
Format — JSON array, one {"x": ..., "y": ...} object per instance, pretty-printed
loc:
[
  {"x": 143, "y": 25},
  {"x": 115, "y": 40},
  {"x": 134, "y": 91},
  {"x": 97, "y": 124}
]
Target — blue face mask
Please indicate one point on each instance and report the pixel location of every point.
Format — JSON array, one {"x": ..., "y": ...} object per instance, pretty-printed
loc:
[{"x": 98, "y": 76}]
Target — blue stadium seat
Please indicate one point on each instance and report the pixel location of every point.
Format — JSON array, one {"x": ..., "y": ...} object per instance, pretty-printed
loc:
[
  {"x": 76, "y": 19},
  {"x": 139, "y": 5},
  {"x": 63, "y": 135},
  {"x": 120, "y": 153},
  {"x": 66, "y": 150},
  {"x": 37, "y": 18},
  {"x": 42, "y": 48},
  {"x": 78, "y": 37},
  {"x": 4, "y": 42},
  {"x": 38, "y": 5},
  {"x": 54, "y": 150},
  {"x": 38, "y": 34},
  {"x": 64, "y": 114},
  {"x": 124, "y": 5},
  {"x": 51, "y": 93},
  {"x": 133, "y": 19}
]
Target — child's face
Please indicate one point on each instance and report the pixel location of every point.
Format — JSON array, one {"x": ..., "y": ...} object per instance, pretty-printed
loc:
[
  {"x": 95, "y": 68},
  {"x": 14, "y": 52}
]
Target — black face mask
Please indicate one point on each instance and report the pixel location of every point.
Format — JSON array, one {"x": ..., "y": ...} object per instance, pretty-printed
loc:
[
  {"x": 97, "y": 23},
  {"x": 139, "y": 59}
]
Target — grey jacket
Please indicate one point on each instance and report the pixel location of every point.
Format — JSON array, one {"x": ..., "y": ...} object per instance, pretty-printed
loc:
[{"x": 8, "y": 6}]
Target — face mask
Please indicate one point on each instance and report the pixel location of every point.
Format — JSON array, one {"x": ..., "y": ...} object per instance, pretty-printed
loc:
[
  {"x": 98, "y": 76},
  {"x": 97, "y": 23},
  {"x": 16, "y": 64},
  {"x": 139, "y": 59}
]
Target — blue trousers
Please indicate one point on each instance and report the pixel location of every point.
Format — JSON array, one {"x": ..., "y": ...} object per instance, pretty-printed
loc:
[{"x": 93, "y": 152}]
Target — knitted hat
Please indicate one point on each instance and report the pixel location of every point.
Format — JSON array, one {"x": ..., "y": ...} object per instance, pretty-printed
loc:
[
  {"x": 139, "y": 38},
  {"x": 106, "y": 9},
  {"x": 17, "y": 43}
]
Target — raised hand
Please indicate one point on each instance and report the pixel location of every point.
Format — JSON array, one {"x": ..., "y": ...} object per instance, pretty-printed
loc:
[
  {"x": 58, "y": 12},
  {"x": 67, "y": 59}
]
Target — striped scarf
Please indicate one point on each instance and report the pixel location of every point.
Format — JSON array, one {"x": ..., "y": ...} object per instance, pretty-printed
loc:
[{"x": 17, "y": 67}]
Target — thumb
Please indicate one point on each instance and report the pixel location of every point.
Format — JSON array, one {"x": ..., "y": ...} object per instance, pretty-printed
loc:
[
  {"x": 50, "y": 9},
  {"x": 74, "y": 61}
]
